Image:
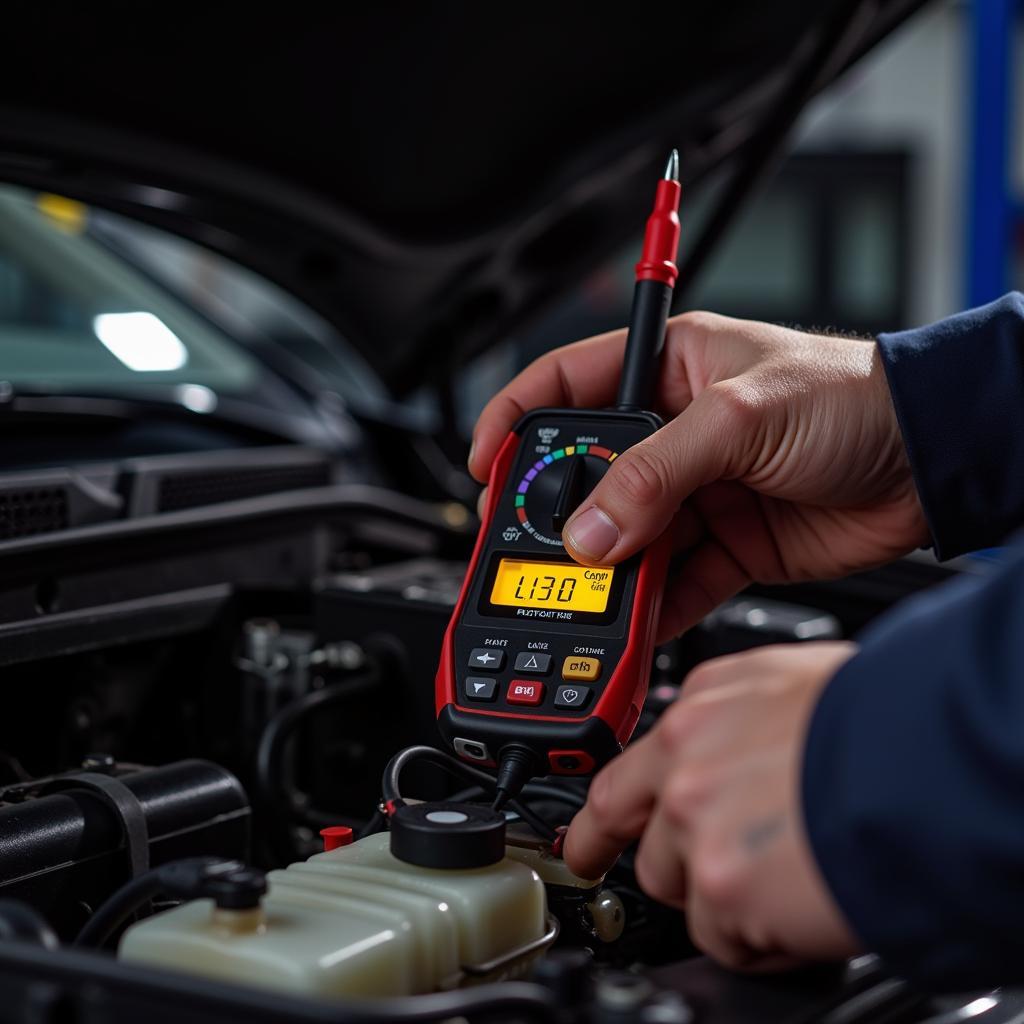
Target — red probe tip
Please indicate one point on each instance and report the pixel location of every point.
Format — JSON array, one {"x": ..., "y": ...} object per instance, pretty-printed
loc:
[
  {"x": 661, "y": 240},
  {"x": 672, "y": 167}
]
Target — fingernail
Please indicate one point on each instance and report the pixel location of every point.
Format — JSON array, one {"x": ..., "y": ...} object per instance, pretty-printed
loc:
[
  {"x": 593, "y": 533},
  {"x": 472, "y": 449}
]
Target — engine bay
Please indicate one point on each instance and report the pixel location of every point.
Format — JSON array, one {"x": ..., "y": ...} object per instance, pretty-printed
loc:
[{"x": 207, "y": 711}]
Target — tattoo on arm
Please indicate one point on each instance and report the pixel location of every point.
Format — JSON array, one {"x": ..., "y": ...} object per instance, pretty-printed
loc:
[{"x": 763, "y": 832}]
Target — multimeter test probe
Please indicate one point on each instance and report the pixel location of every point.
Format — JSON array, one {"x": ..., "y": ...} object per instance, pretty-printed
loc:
[{"x": 545, "y": 662}]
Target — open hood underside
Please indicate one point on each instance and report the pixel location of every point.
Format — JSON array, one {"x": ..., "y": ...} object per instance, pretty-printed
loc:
[{"x": 427, "y": 177}]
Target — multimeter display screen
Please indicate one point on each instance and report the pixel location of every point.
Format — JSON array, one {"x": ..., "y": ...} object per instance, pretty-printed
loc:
[{"x": 574, "y": 588}]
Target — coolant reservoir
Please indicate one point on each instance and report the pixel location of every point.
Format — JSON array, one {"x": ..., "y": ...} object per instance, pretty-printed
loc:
[{"x": 360, "y": 921}]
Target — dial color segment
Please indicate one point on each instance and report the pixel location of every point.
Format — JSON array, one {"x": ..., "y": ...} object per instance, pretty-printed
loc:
[
  {"x": 576, "y": 588},
  {"x": 537, "y": 492}
]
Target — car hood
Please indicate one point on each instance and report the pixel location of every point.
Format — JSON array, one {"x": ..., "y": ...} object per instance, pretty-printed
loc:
[{"x": 426, "y": 176}]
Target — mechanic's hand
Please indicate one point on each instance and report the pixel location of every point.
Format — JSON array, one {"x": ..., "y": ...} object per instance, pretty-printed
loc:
[
  {"x": 714, "y": 791},
  {"x": 784, "y": 460}
]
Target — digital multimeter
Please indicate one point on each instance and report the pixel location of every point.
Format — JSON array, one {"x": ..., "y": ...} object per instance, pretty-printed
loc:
[
  {"x": 542, "y": 651},
  {"x": 545, "y": 656}
]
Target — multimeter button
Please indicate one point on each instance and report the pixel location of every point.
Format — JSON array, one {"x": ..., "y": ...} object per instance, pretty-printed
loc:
[
  {"x": 481, "y": 689},
  {"x": 587, "y": 669},
  {"x": 534, "y": 664},
  {"x": 572, "y": 697},
  {"x": 487, "y": 659},
  {"x": 521, "y": 691}
]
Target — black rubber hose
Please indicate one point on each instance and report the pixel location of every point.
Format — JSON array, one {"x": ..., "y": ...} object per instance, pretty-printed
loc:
[
  {"x": 110, "y": 915},
  {"x": 274, "y": 801},
  {"x": 229, "y": 883}
]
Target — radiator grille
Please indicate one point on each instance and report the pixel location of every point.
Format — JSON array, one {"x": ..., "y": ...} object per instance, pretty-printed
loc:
[
  {"x": 190, "y": 490},
  {"x": 31, "y": 510}
]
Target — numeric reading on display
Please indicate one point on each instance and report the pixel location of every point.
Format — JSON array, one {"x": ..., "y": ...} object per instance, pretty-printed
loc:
[
  {"x": 542, "y": 587},
  {"x": 552, "y": 585}
]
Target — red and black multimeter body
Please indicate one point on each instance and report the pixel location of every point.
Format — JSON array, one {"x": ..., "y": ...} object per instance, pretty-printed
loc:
[
  {"x": 541, "y": 651},
  {"x": 547, "y": 661}
]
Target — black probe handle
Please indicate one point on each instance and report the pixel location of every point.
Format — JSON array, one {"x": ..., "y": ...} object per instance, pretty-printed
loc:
[{"x": 644, "y": 342}]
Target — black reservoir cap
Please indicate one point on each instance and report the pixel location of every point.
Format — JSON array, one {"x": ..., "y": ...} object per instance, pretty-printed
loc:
[{"x": 447, "y": 835}]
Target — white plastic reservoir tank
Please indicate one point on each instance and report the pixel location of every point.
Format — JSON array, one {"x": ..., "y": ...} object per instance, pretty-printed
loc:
[{"x": 359, "y": 922}]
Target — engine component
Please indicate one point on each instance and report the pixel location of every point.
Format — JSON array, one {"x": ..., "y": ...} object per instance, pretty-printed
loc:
[
  {"x": 67, "y": 842},
  {"x": 406, "y": 604},
  {"x": 360, "y": 921},
  {"x": 589, "y": 912},
  {"x": 229, "y": 883},
  {"x": 443, "y": 835}
]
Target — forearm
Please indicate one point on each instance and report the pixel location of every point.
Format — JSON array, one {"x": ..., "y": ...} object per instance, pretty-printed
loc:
[
  {"x": 913, "y": 778},
  {"x": 958, "y": 389}
]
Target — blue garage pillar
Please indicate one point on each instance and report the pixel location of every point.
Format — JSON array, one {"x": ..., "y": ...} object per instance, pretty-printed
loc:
[{"x": 991, "y": 210}]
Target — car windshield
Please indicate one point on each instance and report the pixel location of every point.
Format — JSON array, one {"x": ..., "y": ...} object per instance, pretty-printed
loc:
[{"x": 76, "y": 317}]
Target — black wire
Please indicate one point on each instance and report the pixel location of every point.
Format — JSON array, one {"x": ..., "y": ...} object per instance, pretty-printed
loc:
[
  {"x": 393, "y": 771},
  {"x": 271, "y": 746},
  {"x": 467, "y": 794},
  {"x": 115, "y": 911},
  {"x": 535, "y": 790},
  {"x": 229, "y": 882},
  {"x": 547, "y": 791},
  {"x": 534, "y": 820},
  {"x": 377, "y": 823},
  {"x": 531, "y": 817}
]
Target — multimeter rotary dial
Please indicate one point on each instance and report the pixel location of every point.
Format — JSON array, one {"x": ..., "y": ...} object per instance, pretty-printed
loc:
[{"x": 553, "y": 487}]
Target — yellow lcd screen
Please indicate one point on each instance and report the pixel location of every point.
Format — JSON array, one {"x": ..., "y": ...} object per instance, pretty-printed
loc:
[{"x": 572, "y": 588}]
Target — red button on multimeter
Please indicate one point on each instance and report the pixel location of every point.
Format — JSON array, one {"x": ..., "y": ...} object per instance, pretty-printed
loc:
[
  {"x": 522, "y": 692},
  {"x": 523, "y": 594}
]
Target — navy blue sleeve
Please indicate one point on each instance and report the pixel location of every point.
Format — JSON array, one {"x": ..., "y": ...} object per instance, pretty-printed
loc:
[
  {"x": 913, "y": 772},
  {"x": 958, "y": 388},
  {"x": 913, "y": 784}
]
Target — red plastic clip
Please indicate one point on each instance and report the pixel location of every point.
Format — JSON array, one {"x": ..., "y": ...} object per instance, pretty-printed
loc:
[{"x": 335, "y": 836}]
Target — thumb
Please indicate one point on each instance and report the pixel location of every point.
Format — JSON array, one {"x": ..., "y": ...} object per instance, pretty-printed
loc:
[{"x": 645, "y": 486}]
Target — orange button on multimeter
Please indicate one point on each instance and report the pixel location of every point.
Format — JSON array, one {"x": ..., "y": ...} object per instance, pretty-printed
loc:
[
  {"x": 527, "y": 607},
  {"x": 584, "y": 669}
]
